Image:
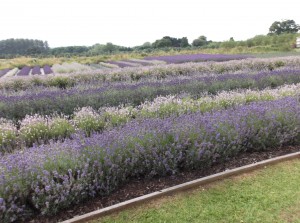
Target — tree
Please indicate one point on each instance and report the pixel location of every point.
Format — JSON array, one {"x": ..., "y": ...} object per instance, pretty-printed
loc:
[
  {"x": 286, "y": 26},
  {"x": 109, "y": 47},
  {"x": 168, "y": 41},
  {"x": 22, "y": 47},
  {"x": 146, "y": 45},
  {"x": 164, "y": 42},
  {"x": 201, "y": 41},
  {"x": 184, "y": 42}
]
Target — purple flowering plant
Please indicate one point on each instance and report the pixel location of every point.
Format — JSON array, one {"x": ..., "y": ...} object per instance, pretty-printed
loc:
[{"x": 55, "y": 176}]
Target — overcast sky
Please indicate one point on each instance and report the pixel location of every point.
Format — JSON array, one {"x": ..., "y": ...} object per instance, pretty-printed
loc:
[{"x": 133, "y": 22}]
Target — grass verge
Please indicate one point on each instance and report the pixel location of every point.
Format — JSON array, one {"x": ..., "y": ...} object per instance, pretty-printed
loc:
[{"x": 268, "y": 195}]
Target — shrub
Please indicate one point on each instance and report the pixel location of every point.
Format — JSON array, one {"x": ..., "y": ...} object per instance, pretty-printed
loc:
[{"x": 8, "y": 135}]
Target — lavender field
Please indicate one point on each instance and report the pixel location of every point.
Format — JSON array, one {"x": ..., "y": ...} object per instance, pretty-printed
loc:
[
  {"x": 197, "y": 58},
  {"x": 26, "y": 71},
  {"x": 150, "y": 61},
  {"x": 86, "y": 130}
]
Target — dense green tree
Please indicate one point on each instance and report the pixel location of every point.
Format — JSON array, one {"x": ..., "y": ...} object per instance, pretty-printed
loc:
[
  {"x": 184, "y": 42},
  {"x": 69, "y": 50},
  {"x": 147, "y": 45},
  {"x": 168, "y": 41},
  {"x": 286, "y": 26},
  {"x": 164, "y": 42},
  {"x": 201, "y": 41},
  {"x": 23, "y": 47},
  {"x": 108, "y": 48}
]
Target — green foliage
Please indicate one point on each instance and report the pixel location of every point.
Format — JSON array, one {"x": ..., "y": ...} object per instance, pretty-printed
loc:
[
  {"x": 262, "y": 43},
  {"x": 60, "y": 128},
  {"x": 18, "y": 84},
  {"x": 184, "y": 42},
  {"x": 69, "y": 50},
  {"x": 88, "y": 121},
  {"x": 36, "y": 132},
  {"x": 201, "y": 41},
  {"x": 168, "y": 41},
  {"x": 108, "y": 48},
  {"x": 8, "y": 135},
  {"x": 23, "y": 47},
  {"x": 286, "y": 26},
  {"x": 38, "y": 129},
  {"x": 61, "y": 82}
]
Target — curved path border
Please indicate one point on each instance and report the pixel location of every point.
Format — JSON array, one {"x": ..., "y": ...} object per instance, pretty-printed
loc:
[{"x": 181, "y": 187}]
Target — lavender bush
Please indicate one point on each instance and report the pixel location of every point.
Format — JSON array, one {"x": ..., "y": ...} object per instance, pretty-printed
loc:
[
  {"x": 159, "y": 72},
  {"x": 37, "y": 129},
  {"x": 147, "y": 62},
  {"x": 24, "y": 71},
  {"x": 47, "y": 69},
  {"x": 70, "y": 68},
  {"x": 123, "y": 64},
  {"x": 183, "y": 58},
  {"x": 108, "y": 65},
  {"x": 65, "y": 101},
  {"x": 36, "y": 70},
  {"x": 8, "y": 135},
  {"x": 88, "y": 120},
  {"x": 48, "y": 178},
  {"x": 10, "y": 73},
  {"x": 3, "y": 72}
]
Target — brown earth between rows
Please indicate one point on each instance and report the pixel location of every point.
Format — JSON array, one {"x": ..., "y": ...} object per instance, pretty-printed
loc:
[{"x": 139, "y": 187}]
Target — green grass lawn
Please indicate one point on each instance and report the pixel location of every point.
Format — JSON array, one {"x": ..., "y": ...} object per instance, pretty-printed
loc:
[{"x": 268, "y": 195}]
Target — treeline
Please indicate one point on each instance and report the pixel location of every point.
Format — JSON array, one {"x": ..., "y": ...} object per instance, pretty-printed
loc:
[
  {"x": 282, "y": 42},
  {"x": 263, "y": 43},
  {"x": 97, "y": 49},
  {"x": 23, "y": 47}
]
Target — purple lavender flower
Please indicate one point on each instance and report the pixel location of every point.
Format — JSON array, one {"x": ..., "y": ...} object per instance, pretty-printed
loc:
[
  {"x": 24, "y": 71},
  {"x": 56, "y": 176},
  {"x": 183, "y": 58},
  {"x": 47, "y": 69},
  {"x": 114, "y": 94},
  {"x": 120, "y": 64},
  {"x": 36, "y": 70},
  {"x": 3, "y": 72}
]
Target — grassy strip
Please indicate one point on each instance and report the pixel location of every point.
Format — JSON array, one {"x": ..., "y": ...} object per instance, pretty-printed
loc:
[{"x": 268, "y": 195}]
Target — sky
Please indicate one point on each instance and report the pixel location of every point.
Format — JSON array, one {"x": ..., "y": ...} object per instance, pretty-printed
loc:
[{"x": 134, "y": 22}]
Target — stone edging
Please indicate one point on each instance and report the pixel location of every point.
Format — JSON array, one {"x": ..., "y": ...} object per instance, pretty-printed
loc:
[{"x": 181, "y": 187}]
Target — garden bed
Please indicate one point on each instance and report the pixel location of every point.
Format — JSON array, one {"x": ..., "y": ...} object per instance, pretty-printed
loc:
[{"x": 139, "y": 187}]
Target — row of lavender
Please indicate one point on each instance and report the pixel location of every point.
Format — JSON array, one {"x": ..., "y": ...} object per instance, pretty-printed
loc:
[
  {"x": 49, "y": 178},
  {"x": 26, "y": 71},
  {"x": 47, "y": 102},
  {"x": 135, "y": 74},
  {"x": 73, "y": 67},
  {"x": 42, "y": 129},
  {"x": 37, "y": 70},
  {"x": 88, "y": 149},
  {"x": 183, "y": 58}
]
